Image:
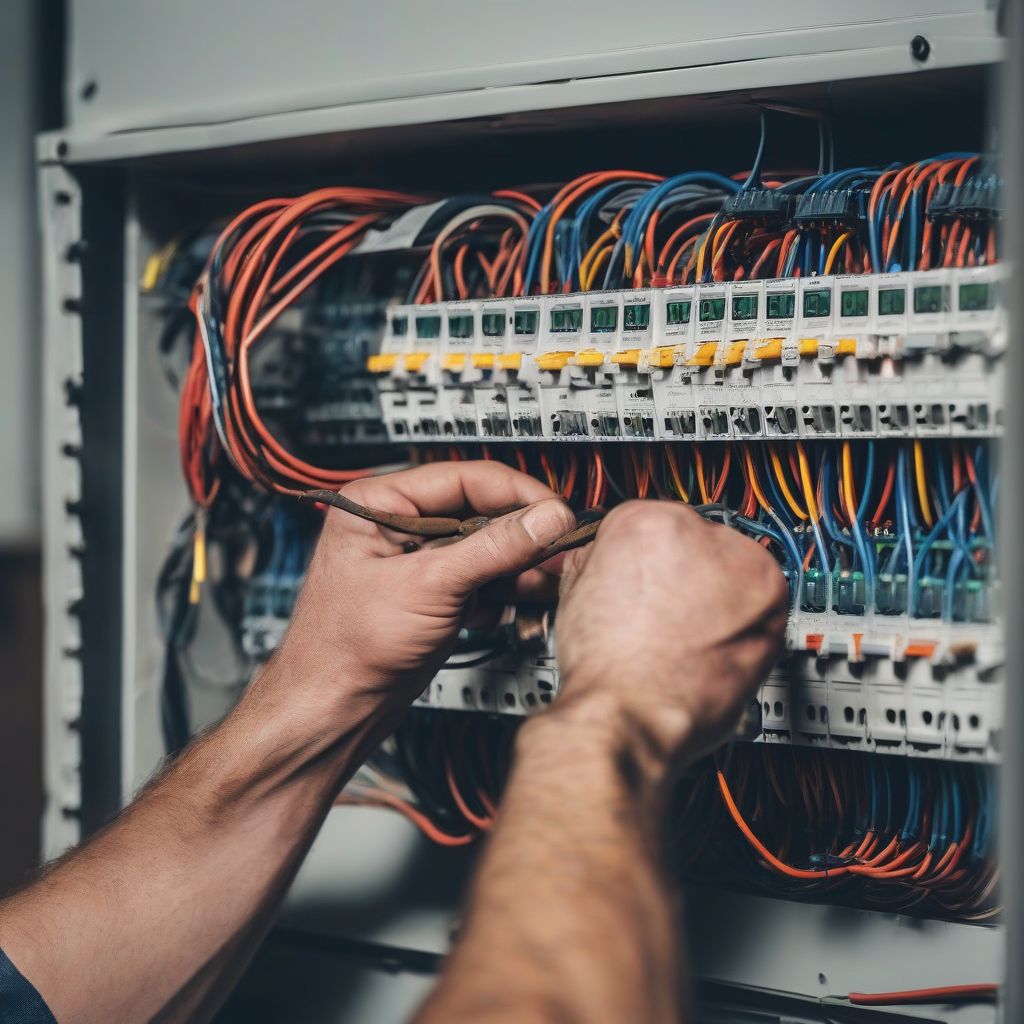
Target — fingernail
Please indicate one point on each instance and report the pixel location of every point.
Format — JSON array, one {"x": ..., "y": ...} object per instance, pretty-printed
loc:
[{"x": 546, "y": 521}]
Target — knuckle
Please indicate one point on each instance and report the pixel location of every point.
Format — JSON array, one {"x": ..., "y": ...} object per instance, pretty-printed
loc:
[
  {"x": 633, "y": 516},
  {"x": 357, "y": 490}
]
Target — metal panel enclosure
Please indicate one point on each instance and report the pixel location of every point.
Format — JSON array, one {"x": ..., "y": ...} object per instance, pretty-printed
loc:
[
  {"x": 192, "y": 86},
  {"x": 127, "y": 60}
]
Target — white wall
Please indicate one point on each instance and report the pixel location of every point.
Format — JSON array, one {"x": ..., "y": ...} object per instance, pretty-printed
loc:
[{"x": 19, "y": 321}]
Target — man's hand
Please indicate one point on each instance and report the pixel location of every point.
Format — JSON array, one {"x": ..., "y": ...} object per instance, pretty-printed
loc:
[
  {"x": 666, "y": 625},
  {"x": 158, "y": 915},
  {"x": 386, "y": 618},
  {"x": 671, "y": 622}
]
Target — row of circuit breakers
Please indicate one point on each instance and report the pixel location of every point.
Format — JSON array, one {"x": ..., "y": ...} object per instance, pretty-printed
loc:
[
  {"x": 896, "y": 355},
  {"x": 889, "y": 355}
]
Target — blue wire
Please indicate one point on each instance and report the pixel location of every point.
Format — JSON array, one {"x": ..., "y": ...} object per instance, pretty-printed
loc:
[
  {"x": 941, "y": 524},
  {"x": 869, "y": 479},
  {"x": 906, "y": 528},
  {"x": 987, "y": 519}
]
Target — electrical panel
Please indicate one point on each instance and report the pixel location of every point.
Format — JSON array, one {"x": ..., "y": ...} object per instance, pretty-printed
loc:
[{"x": 807, "y": 343}]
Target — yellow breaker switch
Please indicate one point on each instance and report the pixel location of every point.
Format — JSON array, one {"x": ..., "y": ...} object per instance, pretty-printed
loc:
[
  {"x": 630, "y": 357},
  {"x": 808, "y": 347},
  {"x": 510, "y": 361},
  {"x": 734, "y": 353},
  {"x": 483, "y": 360},
  {"x": 554, "y": 361},
  {"x": 588, "y": 357},
  {"x": 454, "y": 361},
  {"x": 662, "y": 358},
  {"x": 383, "y": 363},
  {"x": 704, "y": 356},
  {"x": 415, "y": 361},
  {"x": 846, "y": 346},
  {"x": 769, "y": 350}
]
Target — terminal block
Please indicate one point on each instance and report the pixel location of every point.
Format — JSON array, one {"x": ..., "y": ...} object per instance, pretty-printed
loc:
[{"x": 909, "y": 354}]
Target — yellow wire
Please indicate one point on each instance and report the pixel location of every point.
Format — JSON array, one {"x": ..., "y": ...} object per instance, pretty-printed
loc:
[
  {"x": 628, "y": 260},
  {"x": 780, "y": 475},
  {"x": 198, "y": 565},
  {"x": 922, "y": 485},
  {"x": 700, "y": 475},
  {"x": 673, "y": 468},
  {"x": 602, "y": 257},
  {"x": 805, "y": 479},
  {"x": 611, "y": 233},
  {"x": 157, "y": 264},
  {"x": 718, "y": 247},
  {"x": 700, "y": 254},
  {"x": 851, "y": 510},
  {"x": 834, "y": 251},
  {"x": 754, "y": 482}
]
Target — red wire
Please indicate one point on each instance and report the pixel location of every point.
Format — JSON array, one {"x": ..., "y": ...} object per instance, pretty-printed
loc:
[{"x": 941, "y": 994}]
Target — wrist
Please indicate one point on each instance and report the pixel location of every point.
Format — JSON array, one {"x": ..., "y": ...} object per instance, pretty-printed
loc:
[{"x": 598, "y": 726}]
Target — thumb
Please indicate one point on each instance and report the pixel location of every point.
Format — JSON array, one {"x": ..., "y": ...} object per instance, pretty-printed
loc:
[{"x": 505, "y": 547}]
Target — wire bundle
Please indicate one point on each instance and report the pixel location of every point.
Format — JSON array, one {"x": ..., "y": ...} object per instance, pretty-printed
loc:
[
  {"x": 607, "y": 229},
  {"x": 831, "y": 826},
  {"x": 895, "y": 526},
  {"x": 263, "y": 262},
  {"x": 445, "y": 774},
  {"x": 479, "y": 248},
  {"x": 877, "y": 831}
]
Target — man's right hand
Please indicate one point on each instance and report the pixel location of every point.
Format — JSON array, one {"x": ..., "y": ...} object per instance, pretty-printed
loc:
[{"x": 668, "y": 621}]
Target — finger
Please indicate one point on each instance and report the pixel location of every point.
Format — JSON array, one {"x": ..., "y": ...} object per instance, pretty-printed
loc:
[
  {"x": 573, "y": 564},
  {"x": 535, "y": 586},
  {"x": 505, "y": 547},
  {"x": 447, "y": 488}
]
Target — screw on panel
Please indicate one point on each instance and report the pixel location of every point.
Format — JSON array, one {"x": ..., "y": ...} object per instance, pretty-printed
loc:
[
  {"x": 76, "y": 251},
  {"x": 920, "y": 48},
  {"x": 89, "y": 89},
  {"x": 72, "y": 391}
]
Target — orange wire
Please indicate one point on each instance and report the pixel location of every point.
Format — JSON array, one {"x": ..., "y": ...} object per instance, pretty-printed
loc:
[{"x": 383, "y": 799}]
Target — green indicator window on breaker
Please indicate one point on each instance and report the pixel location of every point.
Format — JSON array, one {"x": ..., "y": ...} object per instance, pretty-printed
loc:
[
  {"x": 854, "y": 303},
  {"x": 636, "y": 316},
  {"x": 526, "y": 321},
  {"x": 460, "y": 326},
  {"x": 744, "y": 307},
  {"x": 566, "y": 321},
  {"x": 677, "y": 313},
  {"x": 712, "y": 310},
  {"x": 931, "y": 298},
  {"x": 818, "y": 302},
  {"x": 892, "y": 301},
  {"x": 781, "y": 305},
  {"x": 399, "y": 326},
  {"x": 493, "y": 325},
  {"x": 428, "y": 327},
  {"x": 603, "y": 319},
  {"x": 975, "y": 297}
]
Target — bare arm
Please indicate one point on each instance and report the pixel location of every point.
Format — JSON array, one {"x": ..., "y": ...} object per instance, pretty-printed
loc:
[
  {"x": 666, "y": 626},
  {"x": 155, "y": 917}
]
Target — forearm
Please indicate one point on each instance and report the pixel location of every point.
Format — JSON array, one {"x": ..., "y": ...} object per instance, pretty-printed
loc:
[
  {"x": 571, "y": 900},
  {"x": 156, "y": 914}
]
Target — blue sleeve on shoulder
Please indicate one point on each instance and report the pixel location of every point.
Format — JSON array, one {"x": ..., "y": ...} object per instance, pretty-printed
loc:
[{"x": 20, "y": 1003}]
